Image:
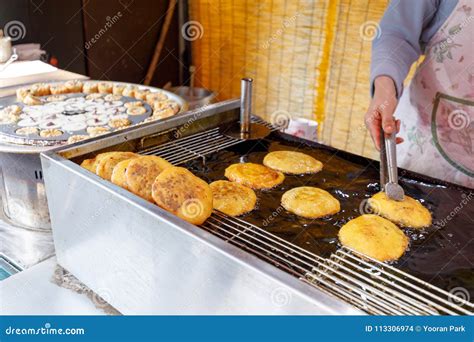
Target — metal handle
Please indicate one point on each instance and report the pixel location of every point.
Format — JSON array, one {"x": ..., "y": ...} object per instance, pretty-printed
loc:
[
  {"x": 383, "y": 161},
  {"x": 245, "y": 105},
  {"x": 391, "y": 151}
]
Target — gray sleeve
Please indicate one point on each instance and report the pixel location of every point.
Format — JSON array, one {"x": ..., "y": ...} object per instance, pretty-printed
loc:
[{"x": 399, "y": 41}]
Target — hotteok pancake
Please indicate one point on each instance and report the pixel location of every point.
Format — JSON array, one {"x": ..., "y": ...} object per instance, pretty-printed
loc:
[
  {"x": 292, "y": 162},
  {"x": 255, "y": 176},
  {"x": 231, "y": 198},
  {"x": 180, "y": 192},
  {"x": 310, "y": 202},
  {"x": 407, "y": 213},
  {"x": 375, "y": 237}
]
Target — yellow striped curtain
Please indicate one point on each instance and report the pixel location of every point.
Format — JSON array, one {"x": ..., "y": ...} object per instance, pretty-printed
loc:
[{"x": 308, "y": 60}]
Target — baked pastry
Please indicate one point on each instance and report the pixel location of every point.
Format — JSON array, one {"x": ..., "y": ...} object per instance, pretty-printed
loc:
[
  {"x": 95, "y": 131},
  {"x": 163, "y": 113},
  {"x": 55, "y": 98},
  {"x": 21, "y": 93},
  {"x": 142, "y": 172},
  {"x": 156, "y": 96},
  {"x": 31, "y": 100},
  {"x": 139, "y": 110},
  {"x": 310, "y": 202},
  {"x": 90, "y": 87},
  {"x": 7, "y": 119},
  {"x": 94, "y": 96},
  {"x": 106, "y": 165},
  {"x": 59, "y": 88},
  {"x": 52, "y": 132},
  {"x": 406, "y": 213},
  {"x": 76, "y": 138},
  {"x": 91, "y": 164},
  {"x": 112, "y": 97},
  {"x": 133, "y": 104},
  {"x": 119, "y": 123},
  {"x": 40, "y": 89},
  {"x": 11, "y": 110},
  {"x": 27, "y": 131},
  {"x": 129, "y": 91},
  {"x": 119, "y": 172},
  {"x": 74, "y": 86},
  {"x": 255, "y": 176},
  {"x": 105, "y": 87},
  {"x": 292, "y": 162},
  {"x": 375, "y": 237},
  {"x": 117, "y": 89},
  {"x": 180, "y": 192},
  {"x": 140, "y": 94},
  {"x": 158, "y": 105},
  {"x": 232, "y": 198}
]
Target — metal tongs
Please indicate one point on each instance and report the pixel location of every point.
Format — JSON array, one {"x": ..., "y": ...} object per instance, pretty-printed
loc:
[{"x": 388, "y": 167}]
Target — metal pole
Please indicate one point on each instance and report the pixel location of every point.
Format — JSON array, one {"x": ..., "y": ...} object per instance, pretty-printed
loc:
[{"x": 245, "y": 106}]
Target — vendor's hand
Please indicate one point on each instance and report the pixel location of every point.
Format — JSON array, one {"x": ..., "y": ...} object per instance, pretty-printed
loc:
[{"x": 381, "y": 109}]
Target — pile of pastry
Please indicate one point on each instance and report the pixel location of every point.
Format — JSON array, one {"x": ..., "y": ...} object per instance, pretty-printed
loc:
[
  {"x": 51, "y": 111},
  {"x": 174, "y": 189},
  {"x": 40, "y": 93}
]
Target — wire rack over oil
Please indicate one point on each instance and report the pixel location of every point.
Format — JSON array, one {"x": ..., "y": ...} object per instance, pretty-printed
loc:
[
  {"x": 198, "y": 145},
  {"x": 371, "y": 286}
]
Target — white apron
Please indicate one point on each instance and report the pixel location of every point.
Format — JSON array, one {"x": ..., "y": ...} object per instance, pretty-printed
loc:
[{"x": 437, "y": 109}]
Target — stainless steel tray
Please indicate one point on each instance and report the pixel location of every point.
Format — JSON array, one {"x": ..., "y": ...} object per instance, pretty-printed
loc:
[
  {"x": 22, "y": 187},
  {"x": 144, "y": 260}
]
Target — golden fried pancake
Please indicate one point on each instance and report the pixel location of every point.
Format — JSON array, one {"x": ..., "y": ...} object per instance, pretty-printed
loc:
[
  {"x": 141, "y": 174},
  {"x": 310, "y": 202},
  {"x": 375, "y": 237},
  {"x": 255, "y": 176},
  {"x": 407, "y": 213},
  {"x": 91, "y": 164},
  {"x": 118, "y": 174},
  {"x": 180, "y": 192},
  {"x": 232, "y": 198},
  {"x": 292, "y": 162},
  {"x": 106, "y": 165}
]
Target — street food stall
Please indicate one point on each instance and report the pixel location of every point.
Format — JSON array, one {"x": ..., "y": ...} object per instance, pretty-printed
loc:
[{"x": 134, "y": 199}]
